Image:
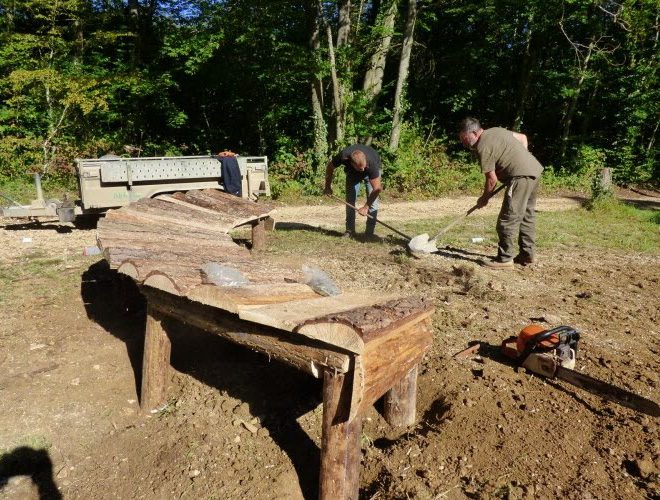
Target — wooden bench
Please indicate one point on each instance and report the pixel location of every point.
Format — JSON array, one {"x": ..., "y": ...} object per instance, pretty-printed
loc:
[{"x": 364, "y": 346}]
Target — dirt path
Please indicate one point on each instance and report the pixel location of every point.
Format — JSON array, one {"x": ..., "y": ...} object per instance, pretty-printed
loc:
[
  {"x": 239, "y": 426},
  {"x": 333, "y": 215}
]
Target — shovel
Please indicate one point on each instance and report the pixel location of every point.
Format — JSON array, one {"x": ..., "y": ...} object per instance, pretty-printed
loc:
[
  {"x": 421, "y": 244},
  {"x": 369, "y": 216}
]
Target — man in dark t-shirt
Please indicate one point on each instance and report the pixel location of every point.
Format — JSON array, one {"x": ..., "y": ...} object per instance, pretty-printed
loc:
[
  {"x": 362, "y": 165},
  {"x": 504, "y": 157}
]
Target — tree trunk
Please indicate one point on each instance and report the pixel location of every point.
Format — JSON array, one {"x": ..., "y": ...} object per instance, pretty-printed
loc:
[
  {"x": 572, "y": 105},
  {"x": 344, "y": 29},
  {"x": 404, "y": 63},
  {"x": 336, "y": 92},
  {"x": 525, "y": 76},
  {"x": 134, "y": 27},
  {"x": 320, "y": 127},
  {"x": 373, "y": 78}
]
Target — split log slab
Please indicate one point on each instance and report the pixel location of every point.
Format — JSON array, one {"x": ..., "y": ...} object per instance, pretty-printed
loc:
[
  {"x": 233, "y": 298},
  {"x": 224, "y": 202}
]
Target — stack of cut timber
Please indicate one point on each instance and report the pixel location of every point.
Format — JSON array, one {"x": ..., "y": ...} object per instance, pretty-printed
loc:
[{"x": 168, "y": 239}]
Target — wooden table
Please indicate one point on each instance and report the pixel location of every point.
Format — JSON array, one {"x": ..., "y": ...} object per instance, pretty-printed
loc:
[{"x": 364, "y": 346}]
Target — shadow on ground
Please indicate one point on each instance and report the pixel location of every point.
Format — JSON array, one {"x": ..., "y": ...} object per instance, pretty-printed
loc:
[
  {"x": 36, "y": 463},
  {"x": 275, "y": 390}
]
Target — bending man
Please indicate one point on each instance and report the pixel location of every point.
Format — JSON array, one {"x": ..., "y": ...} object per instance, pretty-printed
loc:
[
  {"x": 503, "y": 156},
  {"x": 362, "y": 165}
]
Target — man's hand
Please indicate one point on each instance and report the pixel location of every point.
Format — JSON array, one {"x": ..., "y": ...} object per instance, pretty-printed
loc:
[
  {"x": 364, "y": 210},
  {"x": 328, "y": 191},
  {"x": 482, "y": 201}
]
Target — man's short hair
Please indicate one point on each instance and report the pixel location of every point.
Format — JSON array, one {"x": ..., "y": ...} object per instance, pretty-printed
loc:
[
  {"x": 469, "y": 124},
  {"x": 358, "y": 158}
]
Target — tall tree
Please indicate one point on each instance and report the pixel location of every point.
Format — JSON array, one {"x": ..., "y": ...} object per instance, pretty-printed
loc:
[{"x": 404, "y": 63}]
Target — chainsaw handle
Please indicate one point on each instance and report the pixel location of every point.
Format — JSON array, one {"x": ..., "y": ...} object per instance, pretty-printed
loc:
[{"x": 565, "y": 334}]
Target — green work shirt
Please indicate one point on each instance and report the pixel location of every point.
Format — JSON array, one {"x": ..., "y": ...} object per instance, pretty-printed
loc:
[{"x": 500, "y": 151}]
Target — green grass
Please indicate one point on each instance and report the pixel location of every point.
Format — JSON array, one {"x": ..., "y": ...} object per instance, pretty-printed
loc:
[
  {"x": 608, "y": 225},
  {"x": 23, "y": 191},
  {"x": 41, "y": 270},
  {"x": 36, "y": 442}
]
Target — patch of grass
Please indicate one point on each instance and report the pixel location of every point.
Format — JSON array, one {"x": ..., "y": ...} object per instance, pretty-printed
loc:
[
  {"x": 608, "y": 224},
  {"x": 36, "y": 442},
  {"x": 22, "y": 190}
]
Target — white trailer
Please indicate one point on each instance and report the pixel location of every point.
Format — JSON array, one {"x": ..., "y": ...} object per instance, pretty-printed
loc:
[{"x": 112, "y": 181}]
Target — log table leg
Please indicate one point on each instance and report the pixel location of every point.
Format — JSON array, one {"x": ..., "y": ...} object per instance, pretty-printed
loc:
[
  {"x": 340, "y": 441},
  {"x": 155, "y": 361},
  {"x": 259, "y": 235},
  {"x": 401, "y": 400}
]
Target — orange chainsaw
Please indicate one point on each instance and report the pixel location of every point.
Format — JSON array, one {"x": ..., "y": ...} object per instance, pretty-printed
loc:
[{"x": 551, "y": 353}]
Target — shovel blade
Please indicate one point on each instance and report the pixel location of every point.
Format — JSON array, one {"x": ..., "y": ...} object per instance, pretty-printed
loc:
[{"x": 421, "y": 244}]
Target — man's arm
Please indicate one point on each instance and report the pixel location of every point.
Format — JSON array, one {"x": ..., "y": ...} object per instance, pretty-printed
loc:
[
  {"x": 522, "y": 138},
  {"x": 489, "y": 186},
  {"x": 377, "y": 187},
  {"x": 329, "y": 173}
]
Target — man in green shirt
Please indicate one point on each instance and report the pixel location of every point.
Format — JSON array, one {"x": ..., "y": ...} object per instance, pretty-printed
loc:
[{"x": 503, "y": 156}]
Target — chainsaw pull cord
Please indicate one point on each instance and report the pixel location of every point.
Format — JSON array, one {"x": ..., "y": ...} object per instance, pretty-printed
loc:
[{"x": 565, "y": 335}]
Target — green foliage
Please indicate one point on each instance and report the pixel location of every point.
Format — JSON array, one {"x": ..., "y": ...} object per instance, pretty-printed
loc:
[
  {"x": 422, "y": 167},
  {"x": 79, "y": 79}
]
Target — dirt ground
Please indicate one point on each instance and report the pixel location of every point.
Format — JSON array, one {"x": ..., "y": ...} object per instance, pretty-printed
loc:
[{"x": 241, "y": 426}]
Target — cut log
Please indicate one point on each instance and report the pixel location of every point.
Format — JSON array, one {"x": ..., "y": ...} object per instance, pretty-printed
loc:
[
  {"x": 387, "y": 359},
  {"x": 258, "y": 235},
  {"x": 182, "y": 202},
  {"x": 308, "y": 356},
  {"x": 344, "y": 320},
  {"x": 159, "y": 210},
  {"x": 300, "y": 316},
  {"x": 155, "y": 362},
  {"x": 400, "y": 402},
  {"x": 340, "y": 442},
  {"x": 224, "y": 202},
  {"x": 130, "y": 269},
  {"x": 187, "y": 274},
  {"x": 126, "y": 218},
  {"x": 379, "y": 317}
]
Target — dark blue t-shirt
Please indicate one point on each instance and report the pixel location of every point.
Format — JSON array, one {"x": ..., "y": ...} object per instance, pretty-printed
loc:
[{"x": 373, "y": 162}]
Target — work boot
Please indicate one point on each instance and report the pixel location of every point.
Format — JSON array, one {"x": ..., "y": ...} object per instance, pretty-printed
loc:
[
  {"x": 524, "y": 259},
  {"x": 498, "y": 264}
]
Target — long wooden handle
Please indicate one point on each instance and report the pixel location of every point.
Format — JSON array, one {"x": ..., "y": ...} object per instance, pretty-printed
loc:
[
  {"x": 374, "y": 218},
  {"x": 460, "y": 219}
]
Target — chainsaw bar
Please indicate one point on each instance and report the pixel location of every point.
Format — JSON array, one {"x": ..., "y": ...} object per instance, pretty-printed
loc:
[{"x": 608, "y": 391}]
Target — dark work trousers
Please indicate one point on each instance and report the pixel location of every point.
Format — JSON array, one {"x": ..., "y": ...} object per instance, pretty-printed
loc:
[
  {"x": 352, "y": 192},
  {"x": 517, "y": 218}
]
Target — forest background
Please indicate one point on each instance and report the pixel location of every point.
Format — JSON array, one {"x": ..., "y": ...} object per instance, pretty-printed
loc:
[{"x": 297, "y": 80}]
